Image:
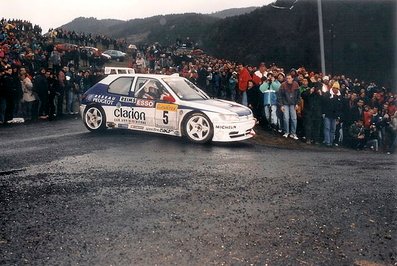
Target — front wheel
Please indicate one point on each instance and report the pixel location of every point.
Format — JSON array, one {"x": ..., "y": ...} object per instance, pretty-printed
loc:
[
  {"x": 198, "y": 128},
  {"x": 94, "y": 118}
]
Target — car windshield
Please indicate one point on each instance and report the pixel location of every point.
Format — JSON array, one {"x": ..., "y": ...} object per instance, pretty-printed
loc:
[{"x": 185, "y": 89}]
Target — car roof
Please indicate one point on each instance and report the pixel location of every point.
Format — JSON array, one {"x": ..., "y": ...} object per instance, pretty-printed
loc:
[
  {"x": 108, "y": 69},
  {"x": 112, "y": 77},
  {"x": 146, "y": 75}
]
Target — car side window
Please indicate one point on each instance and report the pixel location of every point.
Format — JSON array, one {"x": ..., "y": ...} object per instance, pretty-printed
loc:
[
  {"x": 147, "y": 88},
  {"x": 121, "y": 86}
]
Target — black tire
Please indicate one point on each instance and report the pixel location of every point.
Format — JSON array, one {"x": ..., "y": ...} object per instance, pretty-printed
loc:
[
  {"x": 94, "y": 118},
  {"x": 198, "y": 128}
]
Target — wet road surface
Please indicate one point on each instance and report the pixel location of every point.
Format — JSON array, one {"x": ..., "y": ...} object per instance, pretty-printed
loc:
[{"x": 68, "y": 197}]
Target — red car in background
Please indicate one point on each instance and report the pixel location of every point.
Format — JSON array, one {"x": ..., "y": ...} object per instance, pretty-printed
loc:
[
  {"x": 94, "y": 52},
  {"x": 64, "y": 47}
]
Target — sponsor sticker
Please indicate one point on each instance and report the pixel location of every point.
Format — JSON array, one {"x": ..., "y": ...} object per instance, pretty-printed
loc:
[
  {"x": 225, "y": 127},
  {"x": 166, "y": 107},
  {"x": 104, "y": 99},
  {"x": 144, "y": 103},
  {"x": 160, "y": 130},
  {"x": 137, "y": 102},
  {"x": 129, "y": 116},
  {"x": 124, "y": 99},
  {"x": 137, "y": 127}
]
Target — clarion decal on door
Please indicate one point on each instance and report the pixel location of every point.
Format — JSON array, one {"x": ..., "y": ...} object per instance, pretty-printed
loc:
[{"x": 130, "y": 114}]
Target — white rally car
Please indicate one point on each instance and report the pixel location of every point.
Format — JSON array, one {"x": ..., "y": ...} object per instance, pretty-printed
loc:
[{"x": 169, "y": 105}]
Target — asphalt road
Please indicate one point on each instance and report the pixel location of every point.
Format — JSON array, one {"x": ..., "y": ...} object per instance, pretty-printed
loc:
[{"x": 70, "y": 197}]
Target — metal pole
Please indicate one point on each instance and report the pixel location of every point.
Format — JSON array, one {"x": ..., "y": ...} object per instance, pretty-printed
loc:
[{"x": 321, "y": 31}]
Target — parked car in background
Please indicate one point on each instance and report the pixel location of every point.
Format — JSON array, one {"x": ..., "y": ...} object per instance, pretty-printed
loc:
[
  {"x": 64, "y": 47},
  {"x": 116, "y": 55},
  {"x": 94, "y": 52}
]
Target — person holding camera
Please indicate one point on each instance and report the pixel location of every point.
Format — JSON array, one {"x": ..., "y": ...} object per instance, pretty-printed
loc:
[
  {"x": 357, "y": 134},
  {"x": 269, "y": 89}
]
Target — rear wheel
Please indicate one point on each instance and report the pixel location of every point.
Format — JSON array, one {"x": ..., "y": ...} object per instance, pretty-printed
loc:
[
  {"x": 94, "y": 118},
  {"x": 198, "y": 128}
]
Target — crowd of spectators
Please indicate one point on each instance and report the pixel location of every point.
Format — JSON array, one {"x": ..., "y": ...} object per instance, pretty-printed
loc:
[
  {"x": 39, "y": 82},
  {"x": 84, "y": 39}
]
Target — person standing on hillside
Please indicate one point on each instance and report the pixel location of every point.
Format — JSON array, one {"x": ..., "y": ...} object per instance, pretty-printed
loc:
[
  {"x": 254, "y": 100},
  {"x": 60, "y": 91},
  {"x": 17, "y": 91},
  {"x": 332, "y": 110},
  {"x": 70, "y": 90},
  {"x": 312, "y": 113},
  {"x": 289, "y": 98},
  {"x": 41, "y": 88},
  {"x": 7, "y": 104},
  {"x": 269, "y": 88},
  {"x": 243, "y": 78},
  {"x": 55, "y": 59},
  {"x": 140, "y": 64},
  {"x": 28, "y": 97}
]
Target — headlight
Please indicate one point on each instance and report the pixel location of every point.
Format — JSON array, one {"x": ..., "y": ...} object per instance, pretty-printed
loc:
[{"x": 229, "y": 117}]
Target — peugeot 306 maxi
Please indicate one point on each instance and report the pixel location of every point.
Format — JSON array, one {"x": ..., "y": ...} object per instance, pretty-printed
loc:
[{"x": 169, "y": 105}]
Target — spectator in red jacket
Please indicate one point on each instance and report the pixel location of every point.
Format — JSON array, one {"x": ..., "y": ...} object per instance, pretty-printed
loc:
[{"x": 243, "y": 78}]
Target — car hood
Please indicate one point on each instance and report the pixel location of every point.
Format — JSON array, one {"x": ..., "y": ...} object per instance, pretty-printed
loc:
[{"x": 221, "y": 106}]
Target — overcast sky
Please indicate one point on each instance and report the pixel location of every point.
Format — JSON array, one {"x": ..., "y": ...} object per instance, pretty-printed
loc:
[{"x": 52, "y": 14}]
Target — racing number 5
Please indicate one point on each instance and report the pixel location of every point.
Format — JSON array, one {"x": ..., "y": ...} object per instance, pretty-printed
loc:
[{"x": 165, "y": 117}]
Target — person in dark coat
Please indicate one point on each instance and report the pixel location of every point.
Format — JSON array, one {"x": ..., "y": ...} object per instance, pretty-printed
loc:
[
  {"x": 17, "y": 91},
  {"x": 332, "y": 110},
  {"x": 357, "y": 111},
  {"x": 10, "y": 87},
  {"x": 41, "y": 88},
  {"x": 312, "y": 113},
  {"x": 53, "y": 89},
  {"x": 3, "y": 95},
  {"x": 254, "y": 99}
]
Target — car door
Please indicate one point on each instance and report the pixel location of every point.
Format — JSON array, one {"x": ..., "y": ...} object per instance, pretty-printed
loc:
[
  {"x": 166, "y": 116},
  {"x": 120, "y": 110},
  {"x": 150, "y": 93},
  {"x": 144, "y": 102}
]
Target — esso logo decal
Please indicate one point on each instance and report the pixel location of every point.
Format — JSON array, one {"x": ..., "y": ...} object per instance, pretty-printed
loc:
[{"x": 144, "y": 103}]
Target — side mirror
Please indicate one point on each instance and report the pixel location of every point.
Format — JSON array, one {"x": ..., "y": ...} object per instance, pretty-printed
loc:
[{"x": 168, "y": 98}]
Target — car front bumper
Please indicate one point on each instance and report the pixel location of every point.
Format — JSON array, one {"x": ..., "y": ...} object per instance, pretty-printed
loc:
[{"x": 225, "y": 132}]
